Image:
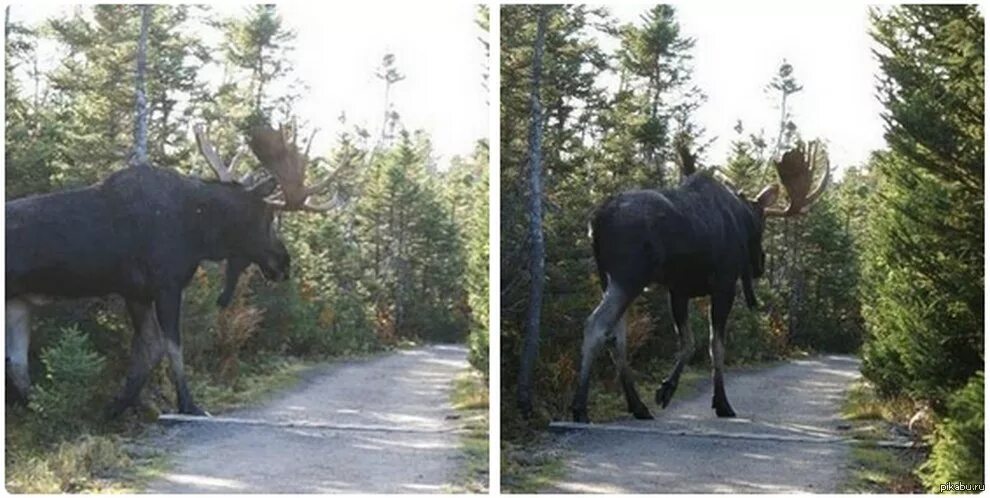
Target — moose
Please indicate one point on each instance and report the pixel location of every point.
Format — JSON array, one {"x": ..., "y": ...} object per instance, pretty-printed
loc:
[
  {"x": 697, "y": 239},
  {"x": 141, "y": 233}
]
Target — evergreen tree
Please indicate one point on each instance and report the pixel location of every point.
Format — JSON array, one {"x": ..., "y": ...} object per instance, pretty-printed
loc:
[
  {"x": 259, "y": 44},
  {"x": 654, "y": 60},
  {"x": 924, "y": 304},
  {"x": 96, "y": 112}
]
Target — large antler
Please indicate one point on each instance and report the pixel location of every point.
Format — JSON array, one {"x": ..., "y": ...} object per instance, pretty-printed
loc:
[
  {"x": 288, "y": 166},
  {"x": 796, "y": 170},
  {"x": 224, "y": 172}
]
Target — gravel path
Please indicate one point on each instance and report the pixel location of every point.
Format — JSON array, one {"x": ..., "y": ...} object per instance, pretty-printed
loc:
[
  {"x": 407, "y": 391},
  {"x": 783, "y": 440}
]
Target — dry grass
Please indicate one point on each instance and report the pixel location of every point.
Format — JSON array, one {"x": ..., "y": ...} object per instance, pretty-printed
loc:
[
  {"x": 470, "y": 397},
  {"x": 85, "y": 464},
  {"x": 875, "y": 469}
]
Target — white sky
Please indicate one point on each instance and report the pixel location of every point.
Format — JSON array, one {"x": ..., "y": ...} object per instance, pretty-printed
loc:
[
  {"x": 739, "y": 47},
  {"x": 339, "y": 46}
]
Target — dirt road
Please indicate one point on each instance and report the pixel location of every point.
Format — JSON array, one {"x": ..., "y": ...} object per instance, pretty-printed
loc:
[
  {"x": 375, "y": 426},
  {"x": 787, "y": 438}
]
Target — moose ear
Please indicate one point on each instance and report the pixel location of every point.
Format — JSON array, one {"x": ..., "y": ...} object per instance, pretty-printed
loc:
[
  {"x": 264, "y": 188},
  {"x": 768, "y": 196}
]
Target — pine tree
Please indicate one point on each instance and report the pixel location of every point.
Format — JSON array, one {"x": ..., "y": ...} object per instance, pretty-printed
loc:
[
  {"x": 924, "y": 247},
  {"x": 655, "y": 60},
  {"x": 259, "y": 44}
]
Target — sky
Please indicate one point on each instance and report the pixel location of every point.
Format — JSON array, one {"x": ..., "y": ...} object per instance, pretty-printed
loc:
[
  {"x": 739, "y": 47},
  {"x": 738, "y": 50},
  {"x": 340, "y": 45}
]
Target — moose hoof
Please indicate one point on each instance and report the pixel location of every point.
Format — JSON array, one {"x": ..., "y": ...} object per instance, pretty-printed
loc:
[
  {"x": 641, "y": 413},
  {"x": 665, "y": 393},
  {"x": 581, "y": 416},
  {"x": 723, "y": 410},
  {"x": 193, "y": 410}
]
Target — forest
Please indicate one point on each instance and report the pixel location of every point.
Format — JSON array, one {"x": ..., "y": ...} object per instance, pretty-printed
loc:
[
  {"x": 888, "y": 265},
  {"x": 404, "y": 259}
]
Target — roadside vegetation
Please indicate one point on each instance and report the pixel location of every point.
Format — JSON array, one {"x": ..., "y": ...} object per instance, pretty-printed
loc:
[
  {"x": 470, "y": 399},
  {"x": 876, "y": 469}
]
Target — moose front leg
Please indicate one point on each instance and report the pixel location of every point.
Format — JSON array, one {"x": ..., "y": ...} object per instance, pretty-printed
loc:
[
  {"x": 679, "y": 307},
  {"x": 18, "y": 328},
  {"x": 235, "y": 267},
  {"x": 146, "y": 352},
  {"x": 720, "y": 307},
  {"x": 168, "y": 306}
]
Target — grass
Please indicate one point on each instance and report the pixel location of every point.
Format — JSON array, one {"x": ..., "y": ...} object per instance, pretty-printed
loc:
[
  {"x": 883, "y": 470},
  {"x": 529, "y": 468},
  {"x": 875, "y": 469},
  {"x": 257, "y": 383},
  {"x": 88, "y": 463},
  {"x": 470, "y": 398}
]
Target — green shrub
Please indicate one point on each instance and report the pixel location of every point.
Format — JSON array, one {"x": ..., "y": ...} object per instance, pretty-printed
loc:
[
  {"x": 72, "y": 369},
  {"x": 478, "y": 349},
  {"x": 957, "y": 452}
]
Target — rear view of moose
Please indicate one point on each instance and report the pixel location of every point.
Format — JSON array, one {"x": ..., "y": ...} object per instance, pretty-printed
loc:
[
  {"x": 141, "y": 233},
  {"x": 696, "y": 240}
]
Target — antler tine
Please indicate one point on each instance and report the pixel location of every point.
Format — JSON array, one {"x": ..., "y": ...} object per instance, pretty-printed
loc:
[
  {"x": 212, "y": 157},
  {"x": 325, "y": 184},
  {"x": 238, "y": 156},
  {"x": 813, "y": 197},
  {"x": 725, "y": 180},
  {"x": 796, "y": 169},
  {"x": 280, "y": 156},
  {"x": 309, "y": 143}
]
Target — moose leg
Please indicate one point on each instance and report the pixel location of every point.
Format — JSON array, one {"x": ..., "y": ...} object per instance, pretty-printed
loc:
[
  {"x": 679, "y": 307},
  {"x": 597, "y": 328},
  {"x": 721, "y": 304},
  {"x": 18, "y": 321},
  {"x": 146, "y": 352},
  {"x": 235, "y": 267},
  {"x": 168, "y": 305},
  {"x": 633, "y": 403}
]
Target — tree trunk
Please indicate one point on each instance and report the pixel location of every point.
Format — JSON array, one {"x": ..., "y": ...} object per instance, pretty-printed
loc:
[
  {"x": 141, "y": 102},
  {"x": 531, "y": 342}
]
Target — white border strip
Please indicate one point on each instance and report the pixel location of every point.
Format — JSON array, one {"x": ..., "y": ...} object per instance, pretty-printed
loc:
[
  {"x": 574, "y": 426},
  {"x": 179, "y": 418}
]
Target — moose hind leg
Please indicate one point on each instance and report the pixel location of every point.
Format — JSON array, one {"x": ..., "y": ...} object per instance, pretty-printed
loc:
[
  {"x": 18, "y": 329},
  {"x": 146, "y": 352},
  {"x": 597, "y": 328},
  {"x": 633, "y": 403},
  {"x": 719, "y": 316},
  {"x": 168, "y": 306},
  {"x": 679, "y": 308}
]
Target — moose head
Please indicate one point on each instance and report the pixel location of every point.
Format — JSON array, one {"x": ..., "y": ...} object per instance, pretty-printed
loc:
[
  {"x": 283, "y": 190},
  {"x": 795, "y": 169}
]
